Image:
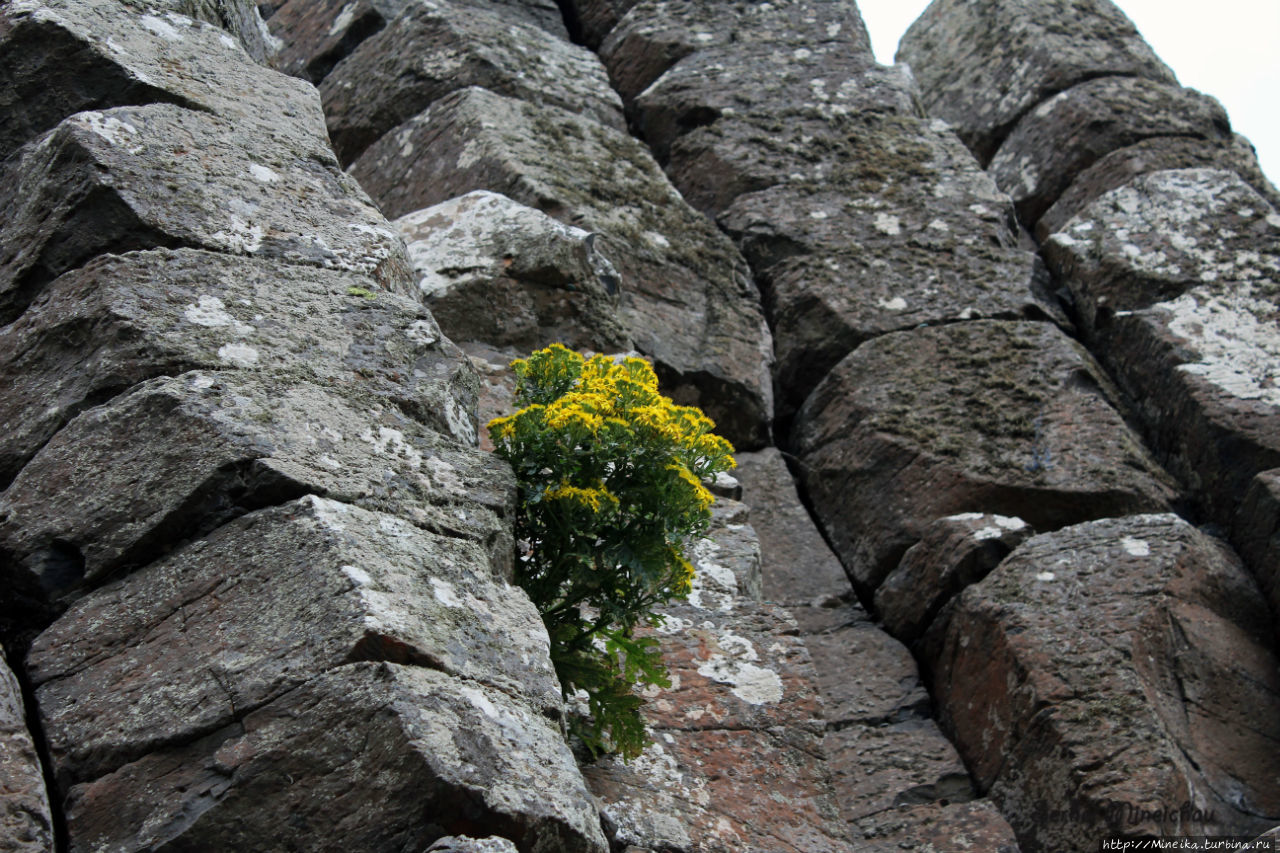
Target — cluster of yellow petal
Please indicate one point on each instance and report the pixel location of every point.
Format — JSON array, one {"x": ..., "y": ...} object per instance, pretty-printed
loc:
[
  {"x": 593, "y": 499},
  {"x": 703, "y": 497}
]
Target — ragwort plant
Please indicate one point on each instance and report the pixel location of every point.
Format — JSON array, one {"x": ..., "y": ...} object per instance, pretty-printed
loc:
[{"x": 610, "y": 491}]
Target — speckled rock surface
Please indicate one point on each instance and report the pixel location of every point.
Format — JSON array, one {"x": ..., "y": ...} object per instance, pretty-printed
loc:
[
  {"x": 465, "y": 844},
  {"x": 122, "y": 319},
  {"x": 983, "y": 416},
  {"x": 1154, "y": 155},
  {"x": 61, "y": 57},
  {"x": 1176, "y": 276},
  {"x": 164, "y": 176},
  {"x": 1117, "y": 664},
  {"x": 495, "y": 271},
  {"x": 433, "y": 49},
  {"x": 318, "y": 584},
  {"x": 592, "y": 20},
  {"x": 1256, "y": 533},
  {"x": 953, "y": 552},
  {"x": 438, "y": 754},
  {"x": 982, "y": 65},
  {"x": 1069, "y": 132},
  {"x": 656, "y": 34},
  {"x": 96, "y": 500},
  {"x": 26, "y": 822},
  {"x": 687, "y": 300}
]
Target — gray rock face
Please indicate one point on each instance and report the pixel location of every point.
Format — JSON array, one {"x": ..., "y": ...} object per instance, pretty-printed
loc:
[
  {"x": 61, "y": 57},
  {"x": 240, "y": 18},
  {"x": 1070, "y": 131},
  {"x": 495, "y": 271},
  {"x": 1176, "y": 278},
  {"x": 464, "y": 844},
  {"x": 122, "y": 319},
  {"x": 26, "y": 823},
  {"x": 438, "y": 755},
  {"x": 96, "y": 500},
  {"x": 432, "y": 49},
  {"x": 1154, "y": 155},
  {"x": 687, "y": 300},
  {"x": 982, "y": 65},
  {"x": 953, "y": 552},
  {"x": 318, "y": 584},
  {"x": 164, "y": 176},
  {"x": 1118, "y": 665},
  {"x": 654, "y": 35},
  {"x": 983, "y": 416}
]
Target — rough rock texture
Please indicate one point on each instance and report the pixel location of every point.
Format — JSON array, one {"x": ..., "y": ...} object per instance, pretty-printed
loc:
[
  {"x": 318, "y": 584},
  {"x": 1118, "y": 665},
  {"x": 1257, "y": 533},
  {"x": 464, "y": 844},
  {"x": 1069, "y": 132},
  {"x": 984, "y": 416},
  {"x": 26, "y": 823},
  {"x": 433, "y": 49},
  {"x": 1154, "y": 155},
  {"x": 438, "y": 755},
  {"x": 686, "y": 298},
  {"x": 1176, "y": 276},
  {"x": 95, "y": 500},
  {"x": 982, "y": 65},
  {"x": 122, "y": 319},
  {"x": 953, "y": 552},
  {"x": 164, "y": 176},
  {"x": 497, "y": 272}
]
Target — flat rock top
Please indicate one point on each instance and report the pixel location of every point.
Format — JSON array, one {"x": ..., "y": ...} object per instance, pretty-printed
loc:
[{"x": 983, "y": 64}]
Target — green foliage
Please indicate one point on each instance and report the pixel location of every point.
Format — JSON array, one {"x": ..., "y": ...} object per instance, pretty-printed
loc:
[
  {"x": 361, "y": 292},
  {"x": 610, "y": 491}
]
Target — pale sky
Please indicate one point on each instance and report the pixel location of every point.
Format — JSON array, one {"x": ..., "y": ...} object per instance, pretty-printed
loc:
[{"x": 1226, "y": 48}]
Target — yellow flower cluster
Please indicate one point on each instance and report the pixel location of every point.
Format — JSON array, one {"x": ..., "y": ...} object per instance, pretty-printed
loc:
[
  {"x": 703, "y": 497},
  {"x": 593, "y": 499}
]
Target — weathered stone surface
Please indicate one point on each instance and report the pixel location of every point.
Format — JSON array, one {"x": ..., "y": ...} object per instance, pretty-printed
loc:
[
  {"x": 1118, "y": 664},
  {"x": 96, "y": 499},
  {"x": 380, "y": 756},
  {"x": 1177, "y": 276},
  {"x": 591, "y": 20},
  {"x": 867, "y": 677},
  {"x": 26, "y": 823},
  {"x": 953, "y": 552},
  {"x": 941, "y": 827},
  {"x": 687, "y": 300},
  {"x": 656, "y": 34},
  {"x": 240, "y": 18},
  {"x": 315, "y": 35},
  {"x": 1256, "y": 534},
  {"x": 60, "y": 57},
  {"x": 836, "y": 271},
  {"x": 163, "y": 176},
  {"x": 465, "y": 844},
  {"x": 1069, "y": 132},
  {"x": 982, "y": 65},
  {"x": 811, "y": 143},
  {"x": 496, "y": 271},
  {"x": 316, "y": 584},
  {"x": 798, "y": 568},
  {"x": 1154, "y": 155},
  {"x": 434, "y": 48},
  {"x": 119, "y": 320},
  {"x": 983, "y": 416}
]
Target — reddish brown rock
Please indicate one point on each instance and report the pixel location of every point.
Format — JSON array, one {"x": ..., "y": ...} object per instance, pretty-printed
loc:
[
  {"x": 953, "y": 552},
  {"x": 1109, "y": 674},
  {"x": 1256, "y": 534},
  {"x": 983, "y": 416},
  {"x": 940, "y": 828},
  {"x": 1071, "y": 131},
  {"x": 119, "y": 320},
  {"x": 379, "y": 755},
  {"x": 26, "y": 823},
  {"x": 1154, "y": 155},
  {"x": 687, "y": 300},
  {"x": 1175, "y": 276},
  {"x": 162, "y": 176},
  {"x": 426, "y": 52},
  {"x": 982, "y": 65}
]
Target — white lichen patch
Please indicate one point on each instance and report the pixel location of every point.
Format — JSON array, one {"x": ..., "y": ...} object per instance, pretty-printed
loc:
[
  {"x": 357, "y": 575},
  {"x": 445, "y": 476},
  {"x": 238, "y": 355},
  {"x": 446, "y": 593},
  {"x": 392, "y": 441},
  {"x": 239, "y": 236},
  {"x": 1235, "y": 338},
  {"x": 343, "y": 19},
  {"x": 887, "y": 223},
  {"x": 422, "y": 332},
  {"x": 330, "y": 513},
  {"x": 117, "y": 133},
  {"x": 1136, "y": 547},
  {"x": 1045, "y": 576},
  {"x": 753, "y": 684},
  {"x": 162, "y": 28},
  {"x": 897, "y": 303},
  {"x": 460, "y": 423},
  {"x": 211, "y": 312},
  {"x": 261, "y": 173}
]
